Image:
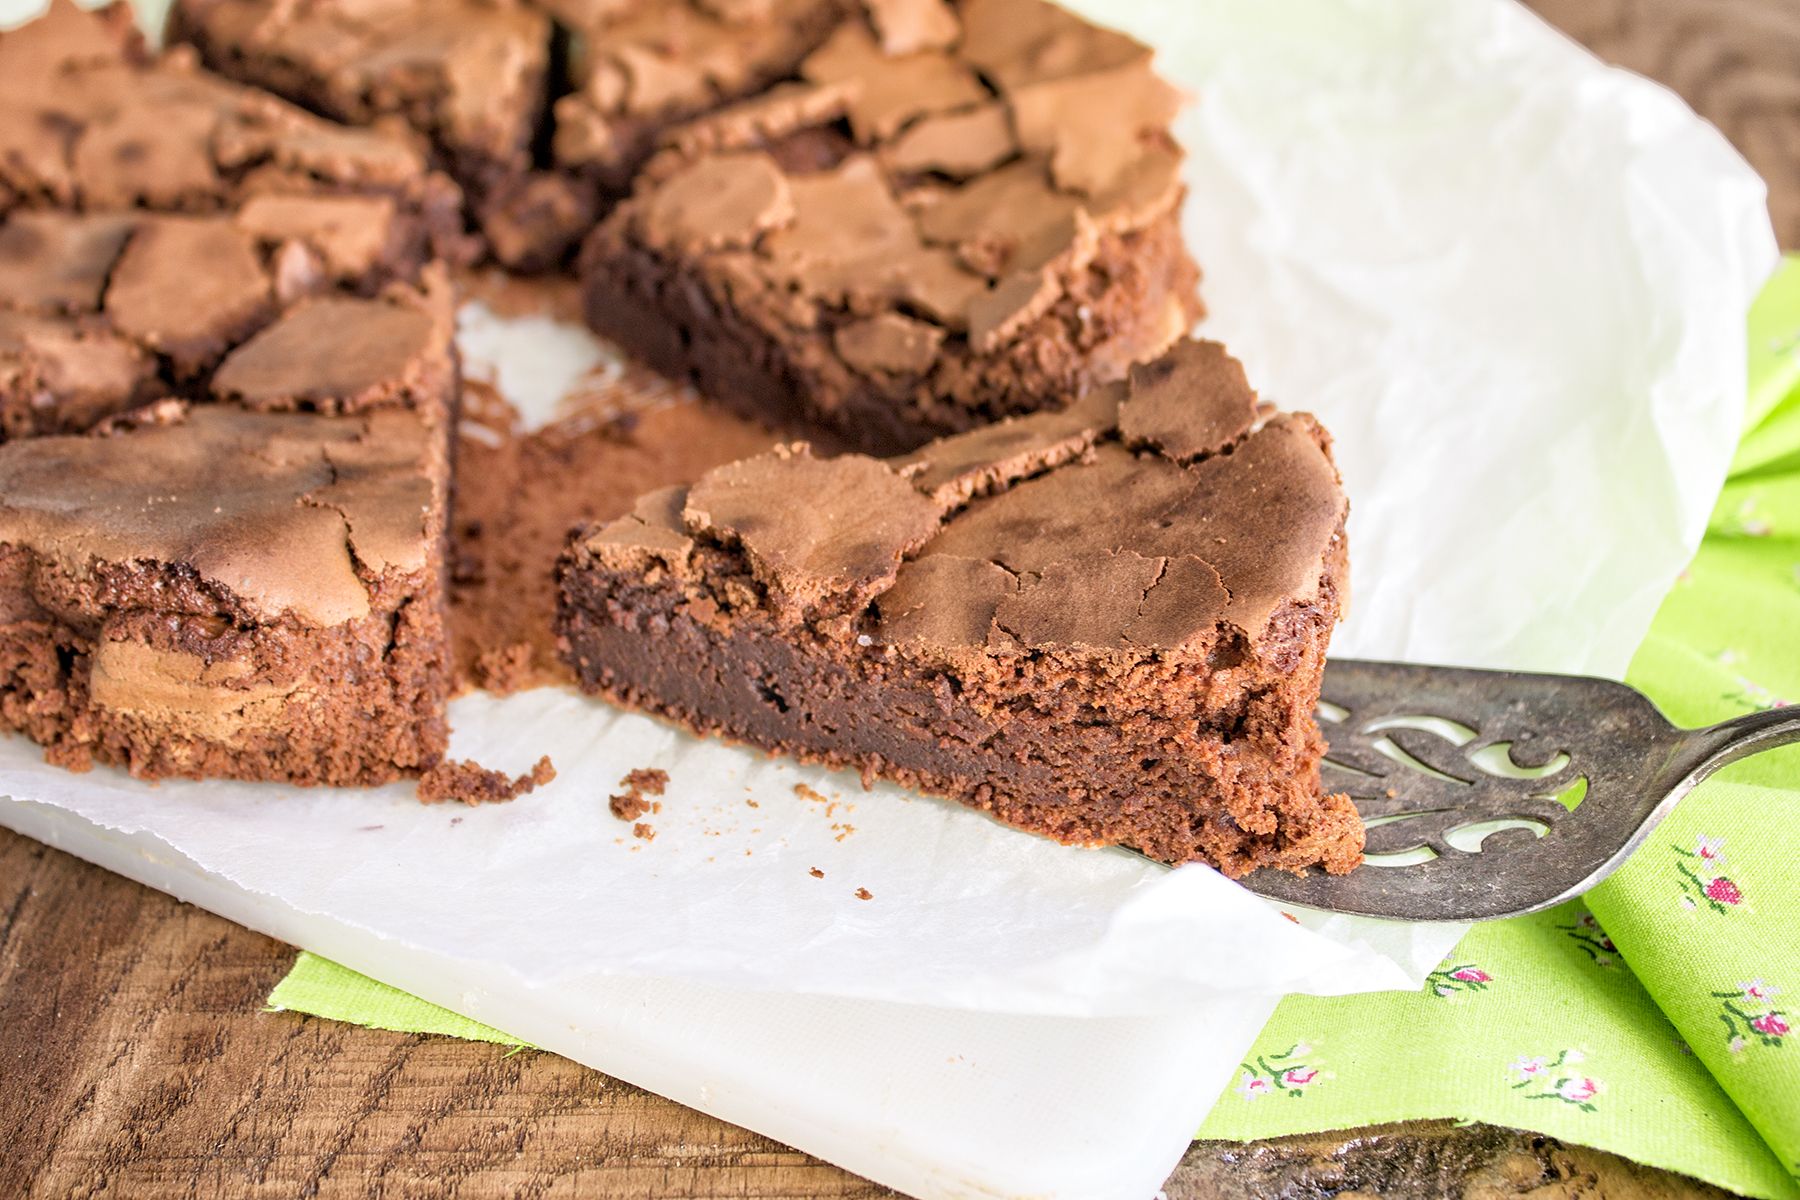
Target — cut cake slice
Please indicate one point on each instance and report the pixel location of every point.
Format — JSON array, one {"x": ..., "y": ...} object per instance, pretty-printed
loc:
[{"x": 1105, "y": 624}]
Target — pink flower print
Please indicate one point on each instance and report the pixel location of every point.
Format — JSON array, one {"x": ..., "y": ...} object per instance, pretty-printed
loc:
[
  {"x": 1529, "y": 1068},
  {"x": 1750, "y": 1016},
  {"x": 1541, "y": 1078},
  {"x": 1448, "y": 980},
  {"x": 1286, "y": 1072},
  {"x": 1700, "y": 877},
  {"x": 1250, "y": 1087},
  {"x": 1770, "y": 1024},
  {"x": 1756, "y": 991},
  {"x": 1577, "y": 1089}
]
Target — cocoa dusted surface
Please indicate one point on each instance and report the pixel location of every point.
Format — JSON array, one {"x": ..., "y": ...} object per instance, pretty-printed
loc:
[
  {"x": 949, "y": 214},
  {"x": 1100, "y": 636}
]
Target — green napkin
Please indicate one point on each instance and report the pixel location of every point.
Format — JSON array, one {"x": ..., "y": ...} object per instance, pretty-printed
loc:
[{"x": 1681, "y": 1059}]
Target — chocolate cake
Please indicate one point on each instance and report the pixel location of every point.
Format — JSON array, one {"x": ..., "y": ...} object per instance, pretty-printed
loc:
[
  {"x": 471, "y": 76},
  {"x": 950, "y": 215},
  {"x": 158, "y": 225},
  {"x": 206, "y": 591},
  {"x": 90, "y": 123},
  {"x": 102, "y": 312},
  {"x": 638, "y": 67},
  {"x": 479, "y": 78},
  {"x": 227, "y": 385},
  {"x": 1106, "y": 624}
]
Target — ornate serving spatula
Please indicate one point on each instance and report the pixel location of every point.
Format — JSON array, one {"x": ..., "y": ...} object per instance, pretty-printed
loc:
[{"x": 1494, "y": 793}]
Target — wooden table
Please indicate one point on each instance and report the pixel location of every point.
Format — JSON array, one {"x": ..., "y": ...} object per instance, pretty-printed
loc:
[{"x": 134, "y": 1061}]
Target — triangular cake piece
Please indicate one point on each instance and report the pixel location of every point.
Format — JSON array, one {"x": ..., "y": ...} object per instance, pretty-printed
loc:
[{"x": 1105, "y": 624}]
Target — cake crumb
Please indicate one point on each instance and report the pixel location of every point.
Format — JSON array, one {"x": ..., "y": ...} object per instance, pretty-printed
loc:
[
  {"x": 864, "y": 894},
  {"x": 639, "y": 783},
  {"x": 505, "y": 669},
  {"x": 806, "y": 793},
  {"x": 472, "y": 783},
  {"x": 816, "y": 873},
  {"x": 76, "y": 759},
  {"x": 752, "y": 804},
  {"x": 643, "y": 830}
]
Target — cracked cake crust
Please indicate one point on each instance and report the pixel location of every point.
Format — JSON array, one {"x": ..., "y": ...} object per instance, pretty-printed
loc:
[
  {"x": 1106, "y": 624},
  {"x": 925, "y": 230},
  {"x": 277, "y": 618}
]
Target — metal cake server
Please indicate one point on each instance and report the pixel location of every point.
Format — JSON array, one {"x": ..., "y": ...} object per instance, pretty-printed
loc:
[{"x": 1494, "y": 793}]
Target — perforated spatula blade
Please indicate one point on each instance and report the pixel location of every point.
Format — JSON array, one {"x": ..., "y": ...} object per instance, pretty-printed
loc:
[{"x": 1495, "y": 793}]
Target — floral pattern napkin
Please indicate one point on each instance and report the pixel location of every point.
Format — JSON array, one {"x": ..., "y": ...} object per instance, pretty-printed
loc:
[{"x": 1655, "y": 1018}]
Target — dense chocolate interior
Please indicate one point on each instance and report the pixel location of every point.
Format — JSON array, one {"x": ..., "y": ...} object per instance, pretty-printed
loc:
[{"x": 1106, "y": 624}]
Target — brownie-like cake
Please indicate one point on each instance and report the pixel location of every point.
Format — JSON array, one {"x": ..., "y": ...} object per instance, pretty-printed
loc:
[
  {"x": 953, "y": 214},
  {"x": 227, "y": 385},
  {"x": 1106, "y": 624},
  {"x": 90, "y": 123},
  {"x": 208, "y": 591},
  {"x": 638, "y": 67},
  {"x": 472, "y": 76},
  {"x": 158, "y": 225},
  {"x": 479, "y": 78},
  {"x": 101, "y": 312}
]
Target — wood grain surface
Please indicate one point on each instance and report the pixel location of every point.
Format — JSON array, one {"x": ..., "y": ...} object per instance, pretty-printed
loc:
[{"x": 134, "y": 1060}]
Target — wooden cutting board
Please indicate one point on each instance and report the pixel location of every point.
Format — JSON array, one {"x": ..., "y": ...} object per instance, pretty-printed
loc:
[{"x": 134, "y": 1063}]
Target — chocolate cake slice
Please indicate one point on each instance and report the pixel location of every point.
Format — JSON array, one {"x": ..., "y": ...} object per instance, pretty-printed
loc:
[
  {"x": 1106, "y": 624},
  {"x": 954, "y": 213},
  {"x": 208, "y": 591},
  {"x": 472, "y": 77},
  {"x": 89, "y": 122}
]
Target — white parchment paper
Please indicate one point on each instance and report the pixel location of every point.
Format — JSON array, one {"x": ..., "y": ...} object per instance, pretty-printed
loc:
[{"x": 1513, "y": 284}]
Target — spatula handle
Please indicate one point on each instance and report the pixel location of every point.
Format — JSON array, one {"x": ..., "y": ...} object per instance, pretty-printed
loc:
[{"x": 1743, "y": 736}]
